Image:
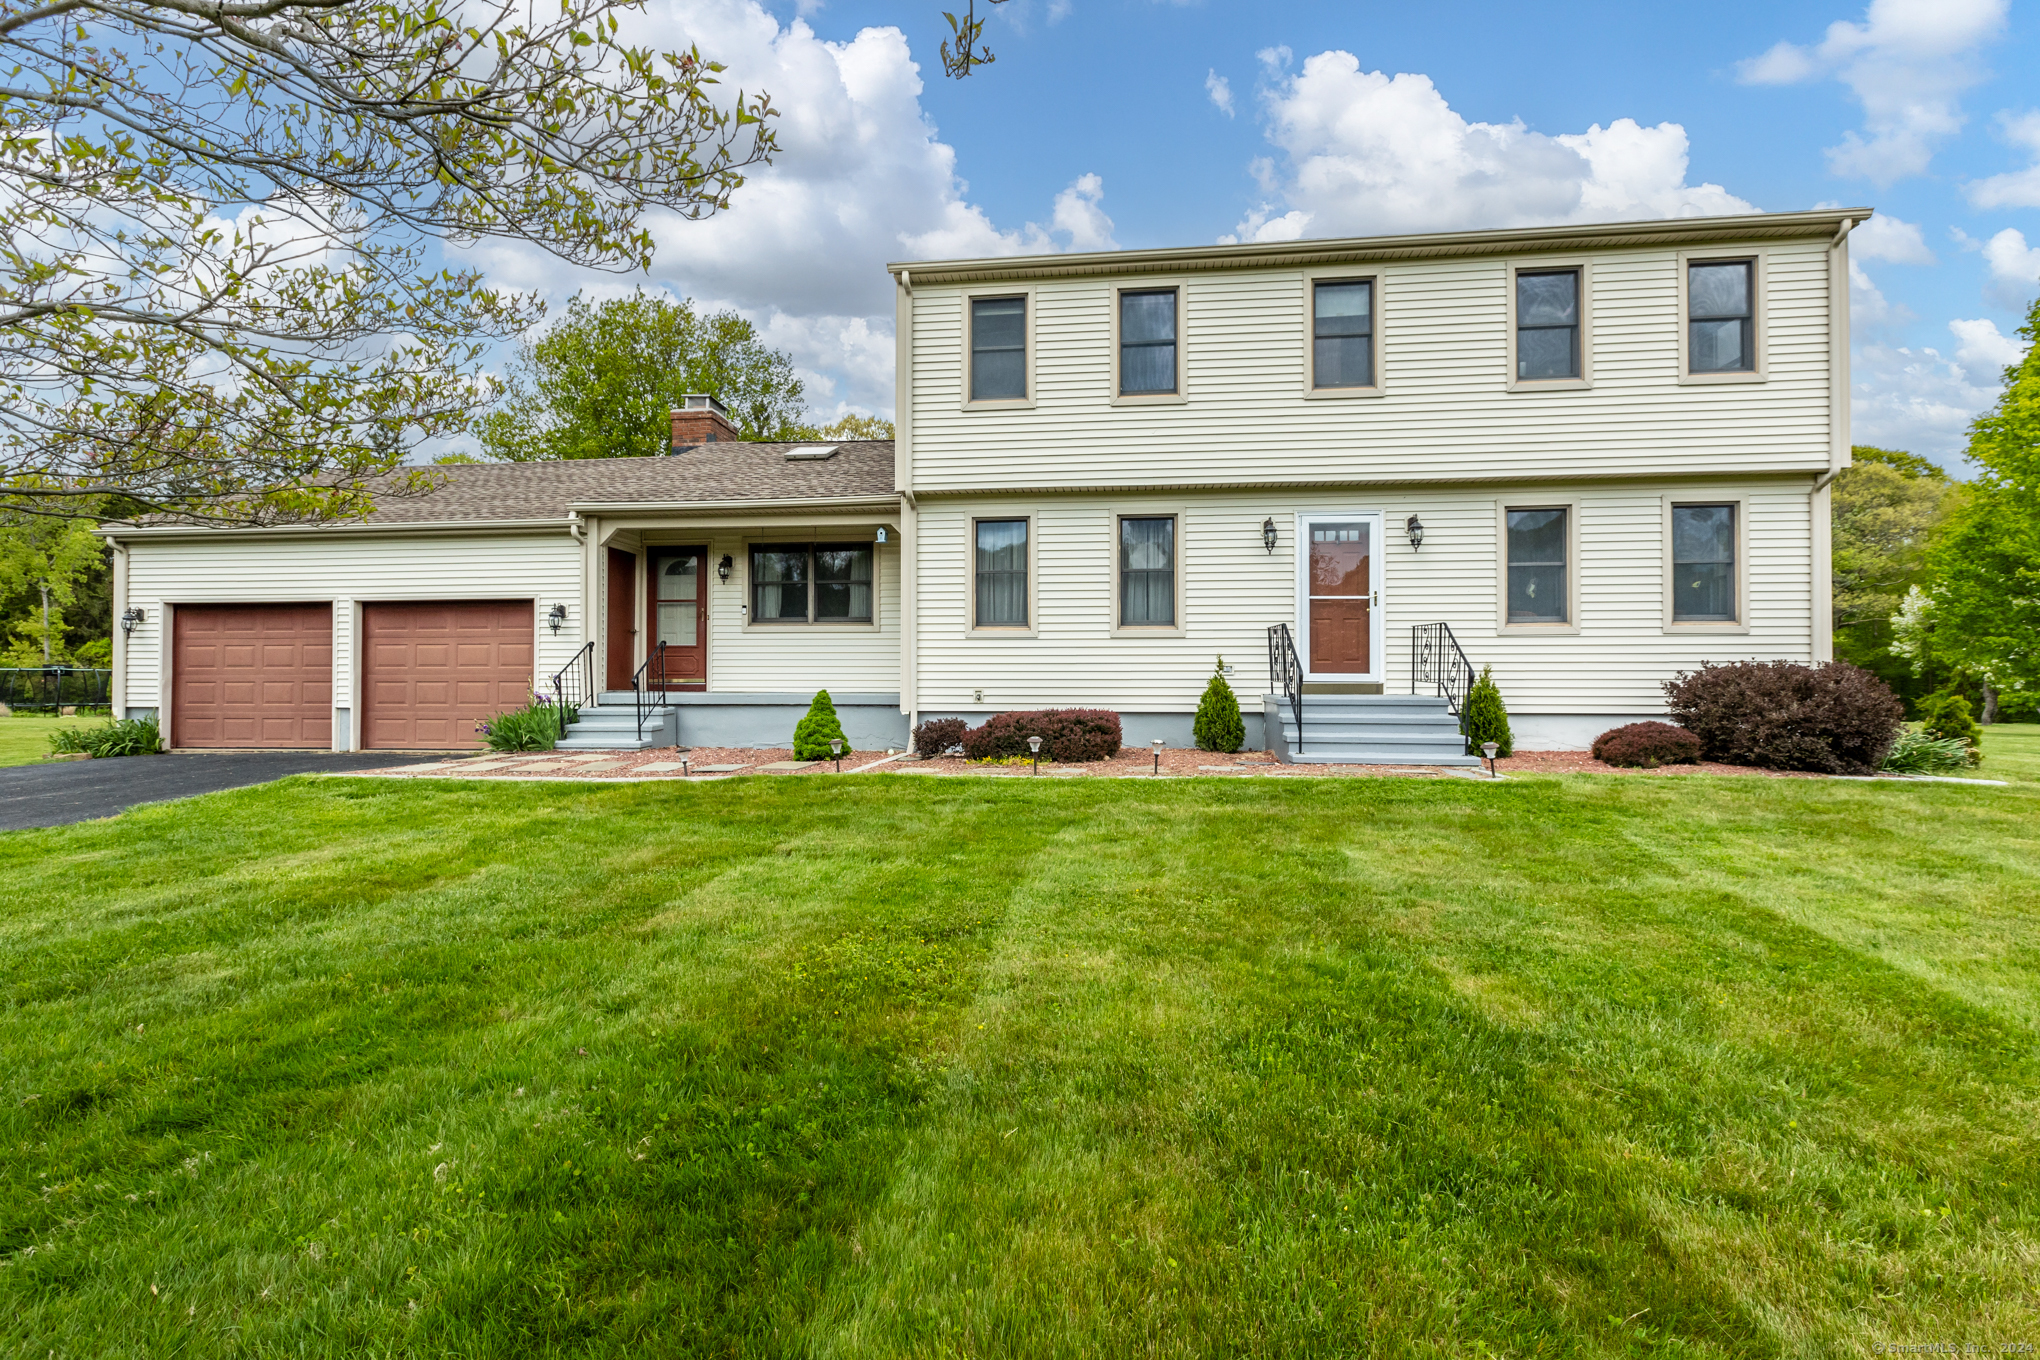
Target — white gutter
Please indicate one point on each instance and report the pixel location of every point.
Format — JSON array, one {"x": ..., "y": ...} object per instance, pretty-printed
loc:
[
  {"x": 903, "y": 480},
  {"x": 118, "y": 698},
  {"x": 201, "y": 531},
  {"x": 881, "y": 502},
  {"x": 1819, "y": 514}
]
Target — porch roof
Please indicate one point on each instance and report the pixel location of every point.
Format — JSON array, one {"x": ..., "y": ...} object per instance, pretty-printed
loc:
[{"x": 724, "y": 474}]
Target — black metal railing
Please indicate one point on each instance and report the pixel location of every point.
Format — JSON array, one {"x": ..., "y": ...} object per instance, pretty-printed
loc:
[
  {"x": 650, "y": 678},
  {"x": 573, "y": 685},
  {"x": 1285, "y": 672},
  {"x": 1435, "y": 659},
  {"x": 56, "y": 687}
]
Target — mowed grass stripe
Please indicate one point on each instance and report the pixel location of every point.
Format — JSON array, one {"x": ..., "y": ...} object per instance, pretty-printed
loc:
[{"x": 871, "y": 1067}]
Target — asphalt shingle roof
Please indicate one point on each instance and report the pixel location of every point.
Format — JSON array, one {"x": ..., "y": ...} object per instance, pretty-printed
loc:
[{"x": 722, "y": 472}]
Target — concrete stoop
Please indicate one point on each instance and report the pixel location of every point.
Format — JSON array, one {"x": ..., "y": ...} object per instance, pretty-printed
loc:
[
  {"x": 610, "y": 726},
  {"x": 1367, "y": 729}
]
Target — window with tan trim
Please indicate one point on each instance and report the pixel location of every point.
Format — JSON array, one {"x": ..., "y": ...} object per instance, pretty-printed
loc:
[
  {"x": 1551, "y": 325},
  {"x": 1706, "y": 564},
  {"x": 1721, "y": 317},
  {"x": 1001, "y": 577},
  {"x": 1537, "y": 557}
]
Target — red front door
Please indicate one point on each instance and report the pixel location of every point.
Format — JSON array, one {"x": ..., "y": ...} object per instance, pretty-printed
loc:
[
  {"x": 679, "y": 617},
  {"x": 622, "y": 618},
  {"x": 1340, "y": 580}
]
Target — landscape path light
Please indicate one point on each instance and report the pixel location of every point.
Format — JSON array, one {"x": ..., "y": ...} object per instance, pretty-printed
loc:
[
  {"x": 1488, "y": 749},
  {"x": 1034, "y": 746},
  {"x": 684, "y": 771},
  {"x": 836, "y": 748},
  {"x": 1158, "y": 755}
]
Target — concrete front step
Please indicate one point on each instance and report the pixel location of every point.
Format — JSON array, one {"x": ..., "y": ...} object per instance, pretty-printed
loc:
[
  {"x": 1367, "y": 729},
  {"x": 1351, "y": 756},
  {"x": 606, "y": 727}
]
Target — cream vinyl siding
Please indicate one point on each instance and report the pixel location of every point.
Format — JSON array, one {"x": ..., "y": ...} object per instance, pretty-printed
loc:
[
  {"x": 860, "y": 658},
  {"x": 1234, "y": 589},
  {"x": 348, "y": 568},
  {"x": 1443, "y": 336}
]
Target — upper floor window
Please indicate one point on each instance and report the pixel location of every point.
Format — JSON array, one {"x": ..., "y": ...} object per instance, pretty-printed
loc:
[
  {"x": 998, "y": 349},
  {"x": 1703, "y": 564},
  {"x": 1147, "y": 343},
  {"x": 1537, "y": 566},
  {"x": 1721, "y": 317},
  {"x": 1342, "y": 334},
  {"x": 1001, "y": 553},
  {"x": 1147, "y": 572},
  {"x": 1547, "y": 324},
  {"x": 819, "y": 583}
]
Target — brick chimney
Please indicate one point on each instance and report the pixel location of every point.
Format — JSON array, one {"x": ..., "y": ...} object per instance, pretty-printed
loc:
[{"x": 701, "y": 419}]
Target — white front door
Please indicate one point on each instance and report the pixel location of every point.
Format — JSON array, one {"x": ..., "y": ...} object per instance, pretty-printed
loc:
[{"x": 1338, "y": 595}]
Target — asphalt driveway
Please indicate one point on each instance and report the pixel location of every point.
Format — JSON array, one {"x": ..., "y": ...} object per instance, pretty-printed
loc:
[{"x": 77, "y": 790}]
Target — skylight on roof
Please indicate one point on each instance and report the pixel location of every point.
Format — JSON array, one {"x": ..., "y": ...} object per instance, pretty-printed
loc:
[{"x": 812, "y": 454}]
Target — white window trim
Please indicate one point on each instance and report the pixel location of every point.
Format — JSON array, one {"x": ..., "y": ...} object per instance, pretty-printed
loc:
[
  {"x": 1585, "y": 269},
  {"x": 971, "y": 627},
  {"x": 1181, "y": 395},
  {"x": 742, "y": 574},
  {"x": 1151, "y": 630},
  {"x": 1571, "y": 506},
  {"x": 1311, "y": 279},
  {"x": 963, "y": 397},
  {"x": 1377, "y": 615},
  {"x": 1760, "y": 301},
  {"x": 1742, "y": 566}
]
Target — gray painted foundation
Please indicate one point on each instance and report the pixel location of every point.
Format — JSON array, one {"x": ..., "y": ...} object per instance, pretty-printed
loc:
[
  {"x": 871, "y": 722},
  {"x": 1135, "y": 729},
  {"x": 1569, "y": 731}
]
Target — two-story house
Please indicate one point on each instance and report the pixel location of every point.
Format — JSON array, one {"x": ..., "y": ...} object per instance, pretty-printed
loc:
[{"x": 1587, "y": 457}]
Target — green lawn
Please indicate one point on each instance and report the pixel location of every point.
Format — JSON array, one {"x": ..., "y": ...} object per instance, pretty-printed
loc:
[
  {"x": 25, "y": 737},
  {"x": 873, "y": 1066}
]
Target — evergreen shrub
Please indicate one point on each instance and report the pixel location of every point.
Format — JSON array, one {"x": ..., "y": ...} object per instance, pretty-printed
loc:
[
  {"x": 1067, "y": 734},
  {"x": 1218, "y": 726},
  {"x": 1486, "y": 718},
  {"x": 1646, "y": 745},
  {"x": 1833, "y": 718},
  {"x": 937, "y": 735},
  {"x": 811, "y": 734},
  {"x": 1946, "y": 716}
]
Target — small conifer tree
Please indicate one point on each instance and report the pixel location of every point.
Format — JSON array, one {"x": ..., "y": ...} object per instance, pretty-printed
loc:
[
  {"x": 1219, "y": 726},
  {"x": 1485, "y": 719},
  {"x": 1946, "y": 715},
  {"x": 811, "y": 734}
]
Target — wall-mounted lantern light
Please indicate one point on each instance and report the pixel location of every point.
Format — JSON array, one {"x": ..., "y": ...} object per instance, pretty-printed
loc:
[
  {"x": 557, "y": 617},
  {"x": 1268, "y": 534},
  {"x": 130, "y": 620},
  {"x": 1414, "y": 527},
  {"x": 723, "y": 568},
  {"x": 881, "y": 534}
]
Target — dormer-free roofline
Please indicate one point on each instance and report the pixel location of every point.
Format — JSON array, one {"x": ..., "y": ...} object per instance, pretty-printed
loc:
[{"x": 1678, "y": 231}]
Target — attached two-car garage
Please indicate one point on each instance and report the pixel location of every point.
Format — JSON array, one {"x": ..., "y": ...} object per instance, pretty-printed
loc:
[{"x": 261, "y": 675}]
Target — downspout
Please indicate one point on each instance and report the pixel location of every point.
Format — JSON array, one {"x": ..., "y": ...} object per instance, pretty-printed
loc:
[
  {"x": 903, "y": 480},
  {"x": 1818, "y": 509},
  {"x": 118, "y": 697}
]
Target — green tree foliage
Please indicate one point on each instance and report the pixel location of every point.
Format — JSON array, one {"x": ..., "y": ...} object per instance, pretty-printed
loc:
[
  {"x": 225, "y": 296},
  {"x": 1946, "y": 717},
  {"x": 46, "y": 565},
  {"x": 1486, "y": 718},
  {"x": 1982, "y": 596},
  {"x": 603, "y": 380},
  {"x": 811, "y": 734},
  {"x": 1218, "y": 725},
  {"x": 1884, "y": 509},
  {"x": 855, "y": 426}
]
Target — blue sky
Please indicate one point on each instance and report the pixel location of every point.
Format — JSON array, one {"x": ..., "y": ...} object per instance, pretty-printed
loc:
[{"x": 1142, "y": 122}]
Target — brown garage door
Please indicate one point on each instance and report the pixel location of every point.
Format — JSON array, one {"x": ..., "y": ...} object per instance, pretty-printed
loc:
[
  {"x": 251, "y": 675},
  {"x": 432, "y": 671}
]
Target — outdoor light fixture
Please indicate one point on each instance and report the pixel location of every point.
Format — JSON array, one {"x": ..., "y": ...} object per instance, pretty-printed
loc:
[
  {"x": 1414, "y": 527},
  {"x": 1488, "y": 749},
  {"x": 1158, "y": 755},
  {"x": 130, "y": 620},
  {"x": 1268, "y": 534},
  {"x": 557, "y": 617},
  {"x": 836, "y": 747},
  {"x": 1034, "y": 746},
  {"x": 722, "y": 568},
  {"x": 684, "y": 771}
]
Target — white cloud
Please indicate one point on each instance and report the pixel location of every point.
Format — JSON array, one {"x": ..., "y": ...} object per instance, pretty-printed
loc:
[
  {"x": 1368, "y": 153},
  {"x": 2011, "y": 260},
  {"x": 1891, "y": 240},
  {"x": 1907, "y": 63},
  {"x": 1916, "y": 399},
  {"x": 1983, "y": 351},
  {"x": 1078, "y": 215},
  {"x": 1869, "y": 310},
  {"x": 1274, "y": 59},
  {"x": 2017, "y": 188},
  {"x": 1220, "y": 90}
]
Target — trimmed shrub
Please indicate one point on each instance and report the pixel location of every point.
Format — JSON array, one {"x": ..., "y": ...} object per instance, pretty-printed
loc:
[
  {"x": 1486, "y": 718},
  {"x": 1833, "y": 718},
  {"x": 534, "y": 727},
  {"x": 1945, "y": 717},
  {"x": 1067, "y": 734},
  {"x": 937, "y": 735},
  {"x": 1647, "y": 745},
  {"x": 1218, "y": 726},
  {"x": 121, "y": 737},
  {"x": 811, "y": 734},
  {"x": 1917, "y": 752}
]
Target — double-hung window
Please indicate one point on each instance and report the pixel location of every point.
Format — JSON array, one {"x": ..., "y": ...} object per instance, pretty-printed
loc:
[
  {"x": 1548, "y": 325},
  {"x": 1538, "y": 543},
  {"x": 1721, "y": 316},
  {"x": 1000, "y": 553},
  {"x": 1342, "y": 333},
  {"x": 998, "y": 349},
  {"x": 1147, "y": 342},
  {"x": 1703, "y": 564},
  {"x": 1147, "y": 571},
  {"x": 811, "y": 583}
]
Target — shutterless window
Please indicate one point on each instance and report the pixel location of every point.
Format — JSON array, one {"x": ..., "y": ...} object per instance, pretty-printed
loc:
[
  {"x": 1721, "y": 319},
  {"x": 843, "y": 583},
  {"x": 1002, "y": 573},
  {"x": 1147, "y": 573},
  {"x": 1537, "y": 566},
  {"x": 1548, "y": 324},
  {"x": 837, "y": 575},
  {"x": 1147, "y": 343},
  {"x": 1703, "y": 564},
  {"x": 1342, "y": 334},
  {"x": 998, "y": 349}
]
